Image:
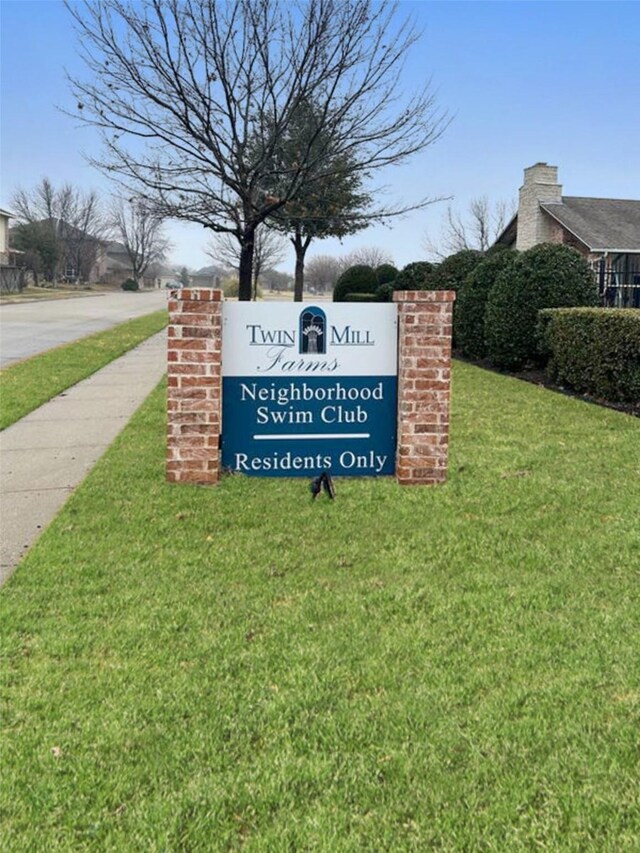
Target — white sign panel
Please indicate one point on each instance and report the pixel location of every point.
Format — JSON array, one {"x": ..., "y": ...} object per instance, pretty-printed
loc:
[{"x": 300, "y": 339}]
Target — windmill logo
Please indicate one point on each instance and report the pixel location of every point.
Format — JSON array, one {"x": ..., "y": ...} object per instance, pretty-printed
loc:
[{"x": 313, "y": 324}]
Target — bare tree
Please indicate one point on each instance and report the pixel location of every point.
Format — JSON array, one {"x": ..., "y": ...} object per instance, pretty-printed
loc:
[
  {"x": 82, "y": 227},
  {"x": 67, "y": 218},
  {"x": 276, "y": 280},
  {"x": 478, "y": 229},
  {"x": 269, "y": 249},
  {"x": 193, "y": 98},
  {"x": 323, "y": 271},
  {"x": 370, "y": 256},
  {"x": 140, "y": 232}
]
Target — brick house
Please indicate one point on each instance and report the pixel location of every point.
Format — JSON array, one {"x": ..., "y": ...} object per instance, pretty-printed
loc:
[
  {"x": 606, "y": 231},
  {"x": 113, "y": 266}
]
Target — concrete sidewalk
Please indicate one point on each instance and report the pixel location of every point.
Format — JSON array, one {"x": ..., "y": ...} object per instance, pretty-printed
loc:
[{"x": 44, "y": 456}]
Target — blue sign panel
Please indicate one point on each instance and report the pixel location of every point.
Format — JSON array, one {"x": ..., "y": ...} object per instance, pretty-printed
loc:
[{"x": 309, "y": 389}]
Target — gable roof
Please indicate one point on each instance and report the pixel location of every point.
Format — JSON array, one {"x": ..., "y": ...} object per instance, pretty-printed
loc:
[
  {"x": 115, "y": 248},
  {"x": 508, "y": 235},
  {"x": 602, "y": 224}
]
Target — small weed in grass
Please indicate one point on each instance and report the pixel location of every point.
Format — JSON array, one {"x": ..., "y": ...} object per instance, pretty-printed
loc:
[
  {"x": 445, "y": 668},
  {"x": 30, "y": 383}
]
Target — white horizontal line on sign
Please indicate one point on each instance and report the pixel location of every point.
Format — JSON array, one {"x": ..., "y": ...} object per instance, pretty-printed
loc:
[
  {"x": 270, "y": 344},
  {"x": 303, "y": 437}
]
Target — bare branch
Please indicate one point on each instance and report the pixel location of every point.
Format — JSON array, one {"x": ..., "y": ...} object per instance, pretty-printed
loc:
[
  {"x": 68, "y": 218},
  {"x": 139, "y": 229},
  {"x": 477, "y": 230},
  {"x": 269, "y": 251},
  {"x": 193, "y": 98}
]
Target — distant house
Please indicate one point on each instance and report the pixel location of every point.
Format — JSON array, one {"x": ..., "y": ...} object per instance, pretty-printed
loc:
[
  {"x": 203, "y": 279},
  {"x": 112, "y": 264},
  {"x": 606, "y": 231},
  {"x": 5, "y": 216},
  {"x": 75, "y": 251},
  {"x": 12, "y": 277}
]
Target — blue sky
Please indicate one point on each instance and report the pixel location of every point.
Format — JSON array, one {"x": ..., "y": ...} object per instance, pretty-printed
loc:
[{"x": 522, "y": 81}]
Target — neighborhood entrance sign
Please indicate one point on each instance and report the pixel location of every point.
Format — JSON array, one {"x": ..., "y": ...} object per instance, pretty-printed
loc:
[{"x": 307, "y": 389}]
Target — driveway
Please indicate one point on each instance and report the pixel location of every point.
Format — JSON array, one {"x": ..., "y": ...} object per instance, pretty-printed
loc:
[{"x": 33, "y": 327}]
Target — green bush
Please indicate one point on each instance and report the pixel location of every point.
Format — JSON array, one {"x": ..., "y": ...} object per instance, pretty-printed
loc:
[
  {"x": 357, "y": 279},
  {"x": 546, "y": 276},
  {"x": 231, "y": 288},
  {"x": 130, "y": 284},
  {"x": 452, "y": 272},
  {"x": 414, "y": 276},
  {"x": 451, "y": 275},
  {"x": 361, "y": 297},
  {"x": 385, "y": 292},
  {"x": 386, "y": 273},
  {"x": 471, "y": 302},
  {"x": 593, "y": 350}
]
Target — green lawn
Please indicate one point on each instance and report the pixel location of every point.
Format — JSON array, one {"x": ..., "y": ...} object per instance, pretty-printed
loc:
[
  {"x": 30, "y": 383},
  {"x": 452, "y": 668}
]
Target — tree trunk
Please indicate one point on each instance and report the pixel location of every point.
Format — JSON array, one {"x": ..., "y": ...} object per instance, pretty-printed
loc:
[
  {"x": 300, "y": 245},
  {"x": 245, "y": 271},
  {"x": 256, "y": 275}
]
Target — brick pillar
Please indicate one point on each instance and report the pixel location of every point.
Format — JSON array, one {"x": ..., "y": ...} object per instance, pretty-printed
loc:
[
  {"x": 194, "y": 386},
  {"x": 424, "y": 384}
]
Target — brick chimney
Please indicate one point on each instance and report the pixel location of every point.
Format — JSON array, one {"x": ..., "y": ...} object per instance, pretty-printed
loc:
[{"x": 540, "y": 184}]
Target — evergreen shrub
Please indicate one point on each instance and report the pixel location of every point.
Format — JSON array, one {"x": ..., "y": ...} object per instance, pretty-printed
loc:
[
  {"x": 471, "y": 301},
  {"x": 386, "y": 273},
  {"x": 414, "y": 276},
  {"x": 357, "y": 279},
  {"x": 545, "y": 276},
  {"x": 451, "y": 275},
  {"x": 593, "y": 350},
  {"x": 385, "y": 292},
  {"x": 130, "y": 284},
  {"x": 452, "y": 272},
  {"x": 231, "y": 287}
]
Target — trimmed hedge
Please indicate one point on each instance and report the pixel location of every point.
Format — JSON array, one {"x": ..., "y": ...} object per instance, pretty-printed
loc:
[
  {"x": 361, "y": 297},
  {"x": 546, "y": 276},
  {"x": 594, "y": 350},
  {"x": 130, "y": 284},
  {"x": 357, "y": 279}
]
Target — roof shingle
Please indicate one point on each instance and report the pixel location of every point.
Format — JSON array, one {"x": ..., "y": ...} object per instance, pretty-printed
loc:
[{"x": 603, "y": 224}]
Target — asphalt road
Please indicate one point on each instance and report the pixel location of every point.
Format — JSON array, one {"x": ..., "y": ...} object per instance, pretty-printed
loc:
[{"x": 32, "y": 327}]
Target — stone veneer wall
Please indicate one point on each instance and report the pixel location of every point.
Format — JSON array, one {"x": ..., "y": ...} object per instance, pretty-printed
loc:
[
  {"x": 534, "y": 226},
  {"x": 194, "y": 379},
  {"x": 424, "y": 385}
]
